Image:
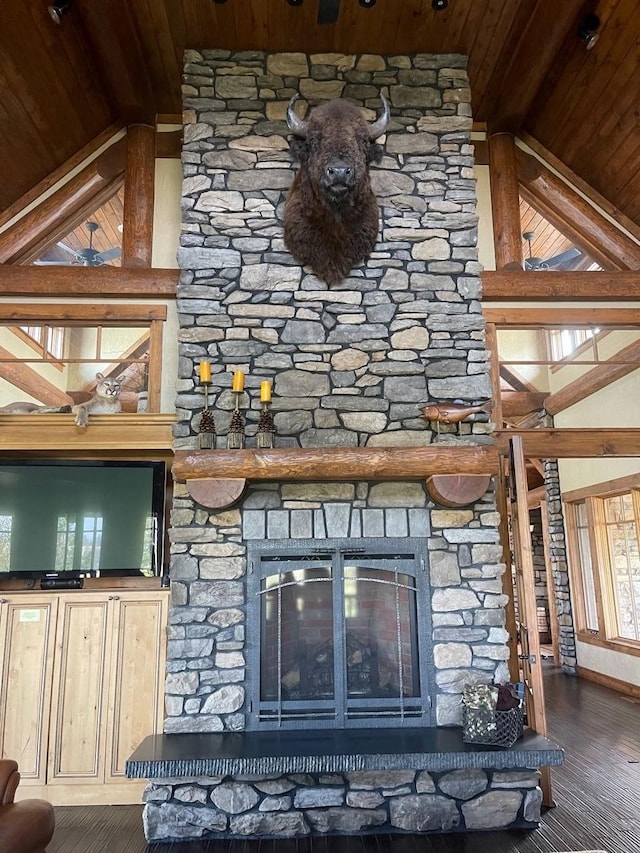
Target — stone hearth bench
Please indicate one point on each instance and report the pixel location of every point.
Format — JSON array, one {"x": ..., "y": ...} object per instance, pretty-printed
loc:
[
  {"x": 287, "y": 784},
  {"x": 330, "y": 751}
]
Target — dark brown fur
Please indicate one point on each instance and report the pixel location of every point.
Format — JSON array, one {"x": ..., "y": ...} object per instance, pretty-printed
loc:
[{"x": 332, "y": 231}]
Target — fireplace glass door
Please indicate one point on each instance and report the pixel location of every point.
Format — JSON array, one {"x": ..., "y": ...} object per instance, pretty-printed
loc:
[{"x": 342, "y": 635}]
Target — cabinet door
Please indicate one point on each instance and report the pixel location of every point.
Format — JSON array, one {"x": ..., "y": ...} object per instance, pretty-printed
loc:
[
  {"x": 27, "y": 630},
  {"x": 81, "y": 673},
  {"x": 137, "y": 675}
]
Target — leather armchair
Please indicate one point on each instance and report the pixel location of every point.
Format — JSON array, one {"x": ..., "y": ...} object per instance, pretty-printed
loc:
[{"x": 26, "y": 826}]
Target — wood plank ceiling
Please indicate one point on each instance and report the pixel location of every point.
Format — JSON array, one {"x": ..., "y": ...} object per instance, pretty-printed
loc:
[{"x": 113, "y": 62}]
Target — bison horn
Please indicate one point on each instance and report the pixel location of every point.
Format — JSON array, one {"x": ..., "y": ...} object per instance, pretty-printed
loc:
[
  {"x": 295, "y": 124},
  {"x": 381, "y": 123}
]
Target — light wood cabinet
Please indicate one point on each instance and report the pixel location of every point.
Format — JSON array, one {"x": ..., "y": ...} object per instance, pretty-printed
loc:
[
  {"x": 27, "y": 632},
  {"x": 98, "y": 660}
]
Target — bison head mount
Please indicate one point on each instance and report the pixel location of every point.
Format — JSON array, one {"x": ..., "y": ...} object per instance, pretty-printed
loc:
[{"x": 331, "y": 214}]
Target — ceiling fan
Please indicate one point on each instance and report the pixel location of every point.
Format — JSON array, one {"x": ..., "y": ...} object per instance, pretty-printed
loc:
[
  {"x": 86, "y": 257},
  {"x": 533, "y": 263}
]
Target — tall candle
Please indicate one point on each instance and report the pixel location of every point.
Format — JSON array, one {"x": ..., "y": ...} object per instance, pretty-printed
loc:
[
  {"x": 238, "y": 381},
  {"x": 265, "y": 392},
  {"x": 205, "y": 371}
]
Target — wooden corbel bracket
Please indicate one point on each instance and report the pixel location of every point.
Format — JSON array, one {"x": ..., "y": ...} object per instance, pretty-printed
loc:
[
  {"x": 456, "y": 490},
  {"x": 217, "y": 493},
  {"x": 217, "y": 479}
]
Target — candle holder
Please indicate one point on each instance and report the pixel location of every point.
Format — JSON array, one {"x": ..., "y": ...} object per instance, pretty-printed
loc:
[
  {"x": 266, "y": 428},
  {"x": 207, "y": 425},
  {"x": 236, "y": 435}
]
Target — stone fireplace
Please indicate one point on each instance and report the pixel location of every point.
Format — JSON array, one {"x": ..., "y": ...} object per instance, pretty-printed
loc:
[{"x": 333, "y": 605}]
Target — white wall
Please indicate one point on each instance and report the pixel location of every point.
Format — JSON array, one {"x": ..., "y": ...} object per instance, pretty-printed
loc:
[
  {"x": 166, "y": 234},
  {"x": 486, "y": 249}
]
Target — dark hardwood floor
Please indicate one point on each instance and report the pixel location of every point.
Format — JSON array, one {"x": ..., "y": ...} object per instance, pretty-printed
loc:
[{"x": 597, "y": 794}]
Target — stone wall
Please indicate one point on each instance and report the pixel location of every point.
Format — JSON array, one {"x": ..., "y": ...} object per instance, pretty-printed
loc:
[
  {"x": 540, "y": 575},
  {"x": 558, "y": 556},
  {"x": 341, "y": 803}
]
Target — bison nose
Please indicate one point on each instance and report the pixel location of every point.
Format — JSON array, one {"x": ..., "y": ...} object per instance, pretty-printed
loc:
[{"x": 339, "y": 173}]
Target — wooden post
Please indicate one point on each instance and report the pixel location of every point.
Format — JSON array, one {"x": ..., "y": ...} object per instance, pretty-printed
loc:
[
  {"x": 507, "y": 578},
  {"x": 505, "y": 202},
  {"x": 137, "y": 235},
  {"x": 154, "y": 366}
]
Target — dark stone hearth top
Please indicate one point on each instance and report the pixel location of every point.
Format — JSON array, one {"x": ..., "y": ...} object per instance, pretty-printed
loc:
[{"x": 329, "y": 751}]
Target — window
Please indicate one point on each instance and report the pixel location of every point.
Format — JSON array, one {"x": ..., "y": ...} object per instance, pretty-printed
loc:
[
  {"x": 586, "y": 567},
  {"x": 54, "y": 337},
  {"x": 621, "y": 520},
  {"x": 343, "y": 635},
  {"x": 604, "y": 552},
  {"x": 564, "y": 342}
]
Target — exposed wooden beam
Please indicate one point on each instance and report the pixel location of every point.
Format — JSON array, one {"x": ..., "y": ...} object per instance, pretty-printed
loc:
[
  {"x": 595, "y": 379},
  {"x": 61, "y": 313},
  {"x": 522, "y": 317},
  {"x": 169, "y": 144},
  {"x": 535, "y": 41},
  {"x": 548, "y": 286},
  {"x": 60, "y": 173},
  {"x": 531, "y": 421},
  {"x": 537, "y": 464},
  {"x": 573, "y": 443},
  {"x": 137, "y": 231},
  {"x": 60, "y": 212},
  {"x": 88, "y": 282},
  {"x": 505, "y": 202},
  {"x": 516, "y": 404},
  {"x": 335, "y": 463},
  {"x": 480, "y": 152},
  {"x": 26, "y": 379},
  {"x": 517, "y": 382},
  {"x": 536, "y": 496},
  {"x": 586, "y": 189},
  {"x": 563, "y": 206}
]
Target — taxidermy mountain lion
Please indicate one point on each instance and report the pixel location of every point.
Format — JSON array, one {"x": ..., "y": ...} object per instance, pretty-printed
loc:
[{"x": 105, "y": 401}]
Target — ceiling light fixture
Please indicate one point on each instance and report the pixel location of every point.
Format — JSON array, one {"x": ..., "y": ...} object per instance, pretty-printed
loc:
[
  {"x": 367, "y": 3},
  {"x": 439, "y": 5},
  {"x": 56, "y": 12},
  {"x": 532, "y": 263},
  {"x": 588, "y": 31}
]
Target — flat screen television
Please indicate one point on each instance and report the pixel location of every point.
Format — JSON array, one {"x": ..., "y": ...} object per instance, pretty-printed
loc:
[{"x": 75, "y": 519}]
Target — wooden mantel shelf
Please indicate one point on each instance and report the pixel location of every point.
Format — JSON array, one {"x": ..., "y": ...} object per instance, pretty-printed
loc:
[
  {"x": 124, "y": 432},
  {"x": 218, "y": 478},
  {"x": 336, "y": 463}
]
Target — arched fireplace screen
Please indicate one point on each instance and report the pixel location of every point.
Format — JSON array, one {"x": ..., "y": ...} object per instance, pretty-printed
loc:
[{"x": 344, "y": 633}]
